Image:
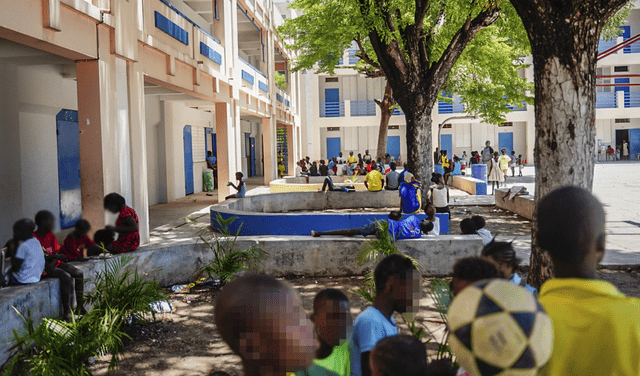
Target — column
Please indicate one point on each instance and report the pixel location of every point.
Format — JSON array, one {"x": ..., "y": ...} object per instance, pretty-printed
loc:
[
  {"x": 290, "y": 151},
  {"x": 138, "y": 142},
  {"x": 90, "y": 124},
  {"x": 225, "y": 138},
  {"x": 269, "y": 139}
]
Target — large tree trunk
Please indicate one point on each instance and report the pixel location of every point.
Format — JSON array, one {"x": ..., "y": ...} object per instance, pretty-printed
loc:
[
  {"x": 564, "y": 40},
  {"x": 419, "y": 145},
  {"x": 385, "y": 115}
]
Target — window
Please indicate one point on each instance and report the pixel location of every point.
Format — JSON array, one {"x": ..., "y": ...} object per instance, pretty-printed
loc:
[
  {"x": 622, "y": 68},
  {"x": 446, "y": 126},
  {"x": 333, "y": 129},
  {"x": 391, "y": 127},
  {"x": 618, "y": 121},
  {"x": 506, "y": 124},
  {"x": 331, "y": 79}
]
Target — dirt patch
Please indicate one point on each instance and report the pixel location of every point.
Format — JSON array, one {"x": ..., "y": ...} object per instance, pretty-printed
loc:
[{"x": 186, "y": 342}]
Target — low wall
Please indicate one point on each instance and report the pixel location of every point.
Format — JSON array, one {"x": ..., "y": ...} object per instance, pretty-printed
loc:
[
  {"x": 468, "y": 184},
  {"x": 521, "y": 205},
  {"x": 311, "y": 184},
  {"x": 271, "y": 214}
]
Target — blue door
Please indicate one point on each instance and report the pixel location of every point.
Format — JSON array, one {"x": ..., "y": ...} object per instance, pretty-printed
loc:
[
  {"x": 505, "y": 141},
  {"x": 333, "y": 147},
  {"x": 625, "y": 33},
  {"x": 332, "y": 102},
  {"x": 247, "y": 151},
  {"x": 634, "y": 143},
  {"x": 393, "y": 146},
  {"x": 446, "y": 143},
  {"x": 188, "y": 160},
  {"x": 69, "y": 167},
  {"x": 252, "y": 140}
]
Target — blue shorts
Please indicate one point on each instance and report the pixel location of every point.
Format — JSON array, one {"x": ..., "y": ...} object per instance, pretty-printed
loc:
[{"x": 370, "y": 228}]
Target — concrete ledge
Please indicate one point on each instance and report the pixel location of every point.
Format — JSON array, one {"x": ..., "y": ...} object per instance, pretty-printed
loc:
[
  {"x": 468, "y": 184},
  {"x": 268, "y": 214},
  {"x": 312, "y": 183},
  {"x": 521, "y": 205}
]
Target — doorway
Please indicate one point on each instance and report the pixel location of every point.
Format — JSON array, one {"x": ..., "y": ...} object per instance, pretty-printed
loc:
[
  {"x": 393, "y": 147},
  {"x": 68, "y": 141},
  {"x": 622, "y": 136},
  {"x": 446, "y": 143},
  {"x": 333, "y": 147}
]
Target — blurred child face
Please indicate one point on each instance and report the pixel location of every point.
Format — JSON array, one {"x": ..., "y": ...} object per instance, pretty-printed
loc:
[
  {"x": 457, "y": 285},
  {"x": 333, "y": 322},
  {"x": 48, "y": 223},
  {"x": 238, "y": 176},
  {"x": 282, "y": 338},
  {"x": 406, "y": 292},
  {"x": 431, "y": 210}
]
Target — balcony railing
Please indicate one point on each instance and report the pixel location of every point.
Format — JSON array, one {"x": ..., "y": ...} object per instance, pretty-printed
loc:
[
  {"x": 456, "y": 107},
  {"x": 631, "y": 99},
  {"x": 363, "y": 108},
  {"x": 331, "y": 109},
  {"x": 398, "y": 111},
  {"x": 606, "y": 100},
  {"x": 606, "y": 44}
]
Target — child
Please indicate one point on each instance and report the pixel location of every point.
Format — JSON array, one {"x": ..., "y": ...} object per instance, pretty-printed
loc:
[
  {"x": 469, "y": 270},
  {"x": 512, "y": 163},
  {"x": 332, "y": 323},
  {"x": 430, "y": 211},
  {"x": 439, "y": 194},
  {"x": 280, "y": 169},
  {"x": 503, "y": 161},
  {"x": 410, "y": 193},
  {"x": 494, "y": 174},
  {"x": 55, "y": 266},
  {"x": 263, "y": 321},
  {"x": 401, "y": 355},
  {"x": 457, "y": 166},
  {"x": 504, "y": 256},
  {"x": 397, "y": 290},
  {"x": 27, "y": 259},
  {"x": 409, "y": 228},
  {"x": 241, "y": 187},
  {"x": 520, "y": 164},
  {"x": 467, "y": 227},
  {"x": 596, "y": 327},
  {"x": 445, "y": 166},
  {"x": 77, "y": 245},
  {"x": 485, "y": 234},
  {"x": 126, "y": 225}
]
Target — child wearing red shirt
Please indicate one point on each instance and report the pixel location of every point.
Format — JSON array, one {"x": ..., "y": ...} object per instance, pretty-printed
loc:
[
  {"x": 126, "y": 225},
  {"x": 77, "y": 245},
  {"x": 56, "y": 267}
]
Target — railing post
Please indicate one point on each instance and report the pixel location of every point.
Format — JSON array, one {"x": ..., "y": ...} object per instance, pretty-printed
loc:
[
  {"x": 347, "y": 108},
  {"x": 619, "y": 99}
]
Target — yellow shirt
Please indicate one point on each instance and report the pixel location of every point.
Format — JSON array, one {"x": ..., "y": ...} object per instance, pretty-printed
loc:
[
  {"x": 336, "y": 364},
  {"x": 596, "y": 328},
  {"x": 504, "y": 162},
  {"x": 374, "y": 178},
  {"x": 352, "y": 159},
  {"x": 444, "y": 161}
]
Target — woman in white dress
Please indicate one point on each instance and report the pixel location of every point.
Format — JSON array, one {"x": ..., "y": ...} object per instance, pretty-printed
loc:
[{"x": 495, "y": 175}]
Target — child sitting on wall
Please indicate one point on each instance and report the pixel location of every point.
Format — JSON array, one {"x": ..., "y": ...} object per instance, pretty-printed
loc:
[
  {"x": 77, "y": 245},
  {"x": 485, "y": 234},
  {"x": 27, "y": 259}
]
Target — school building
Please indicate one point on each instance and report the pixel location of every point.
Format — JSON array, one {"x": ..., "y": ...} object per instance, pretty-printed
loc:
[
  {"x": 128, "y": 96},
  {"x": 343, "y": 116}
]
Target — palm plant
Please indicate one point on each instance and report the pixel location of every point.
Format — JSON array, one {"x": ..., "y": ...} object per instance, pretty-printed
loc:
[{"x": 227, "y": 259}]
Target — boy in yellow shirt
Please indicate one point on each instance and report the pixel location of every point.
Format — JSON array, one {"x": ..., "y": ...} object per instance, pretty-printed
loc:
[
  {"x": 596, "y": 327},
  {"x": 374, "y": 181}
]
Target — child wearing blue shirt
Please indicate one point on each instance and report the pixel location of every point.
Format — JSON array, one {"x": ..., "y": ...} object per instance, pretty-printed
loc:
[
  {"x": 398, "y": 290},
  {"x": 241, "y": 187},
  {"x": 502, "y": 253},
  {"x": 28, "y": 260}
]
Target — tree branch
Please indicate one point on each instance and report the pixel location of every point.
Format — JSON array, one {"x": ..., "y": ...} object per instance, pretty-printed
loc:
[
  {"x": 457, "y": 45},
  {"x": 422, "y": 6},
  {"x": 363, "y": 54}
]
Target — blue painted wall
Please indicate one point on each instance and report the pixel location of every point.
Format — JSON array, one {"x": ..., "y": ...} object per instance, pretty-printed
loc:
[
  {"x": 69, "y": 167},
  {"x": 188, "y": 160}
]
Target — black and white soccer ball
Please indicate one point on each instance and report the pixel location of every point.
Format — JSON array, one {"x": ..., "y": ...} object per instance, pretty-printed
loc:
[{"x": 499, "y": 329}]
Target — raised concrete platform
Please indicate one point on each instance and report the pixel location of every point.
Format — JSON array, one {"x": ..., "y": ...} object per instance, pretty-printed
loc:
[
  {"x": 313, "y": 183},
  {"x": 522, "y": 205},
  {"x": 469, "y": 184},
  {"x": 276, "y": 213}
]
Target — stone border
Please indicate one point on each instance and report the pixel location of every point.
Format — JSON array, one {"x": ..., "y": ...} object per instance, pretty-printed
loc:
[
  {"x": 521, "y": 205},
  {"x": 468, "y": 184}
]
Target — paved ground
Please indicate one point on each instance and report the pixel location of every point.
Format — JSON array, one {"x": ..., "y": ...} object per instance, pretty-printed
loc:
[{"x": 616, "y": 184}]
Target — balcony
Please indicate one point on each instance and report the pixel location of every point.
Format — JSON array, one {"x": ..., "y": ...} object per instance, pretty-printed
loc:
[
  {"x": 398, "y": 111},
  {"x": 631, "y": 99},
  {"x": 457, "y": 107},
  {"x": 252, "y": 79},
  {"x": 363, "y": 108},
  {"x": 331, "y": 109},
  {"x": 606, "y": 100},
  {"x": 606, "y": 44}
]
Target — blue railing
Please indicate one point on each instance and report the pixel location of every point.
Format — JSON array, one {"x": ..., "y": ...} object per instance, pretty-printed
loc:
[
  {"x": 353, "y": 59},
  {"x": 287, "y": 103},
  {"x": 254, "y": 68},
  {"x": 522, "y": 107},
  {"x": 279, "y": 97},
  {"x": 397, "y": 111},
  {"x": 331, "y": 109},
  {"x": 450, "y": 108},
  {"x": 632, "y": 99},
  {"x": 605, "y": 45},
  {"x": 606, "y": 100},
  {"x": 363, "y": 108},
  {"x": 165, "y": 2},
  {"x": 633, "y": 49}
]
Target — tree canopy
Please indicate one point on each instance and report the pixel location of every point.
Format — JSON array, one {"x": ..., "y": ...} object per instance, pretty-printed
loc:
[{"x": 485, "y": 75}]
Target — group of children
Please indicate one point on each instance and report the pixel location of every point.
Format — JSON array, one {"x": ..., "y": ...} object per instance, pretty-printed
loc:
[
  {"x": 35, "y": 252},
  {"x": 339, "y": 166},
  {"x": 596, "y": 328}
]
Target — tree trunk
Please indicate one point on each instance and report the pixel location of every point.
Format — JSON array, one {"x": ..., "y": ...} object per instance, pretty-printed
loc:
[
  {"x": 385, "y": 115},
  {"x": 419, "y": 145},
  {"x": 564, "y": 41}
]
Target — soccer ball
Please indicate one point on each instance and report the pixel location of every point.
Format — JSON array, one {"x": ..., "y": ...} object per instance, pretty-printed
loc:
[{"x": 499, "y": 329}]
